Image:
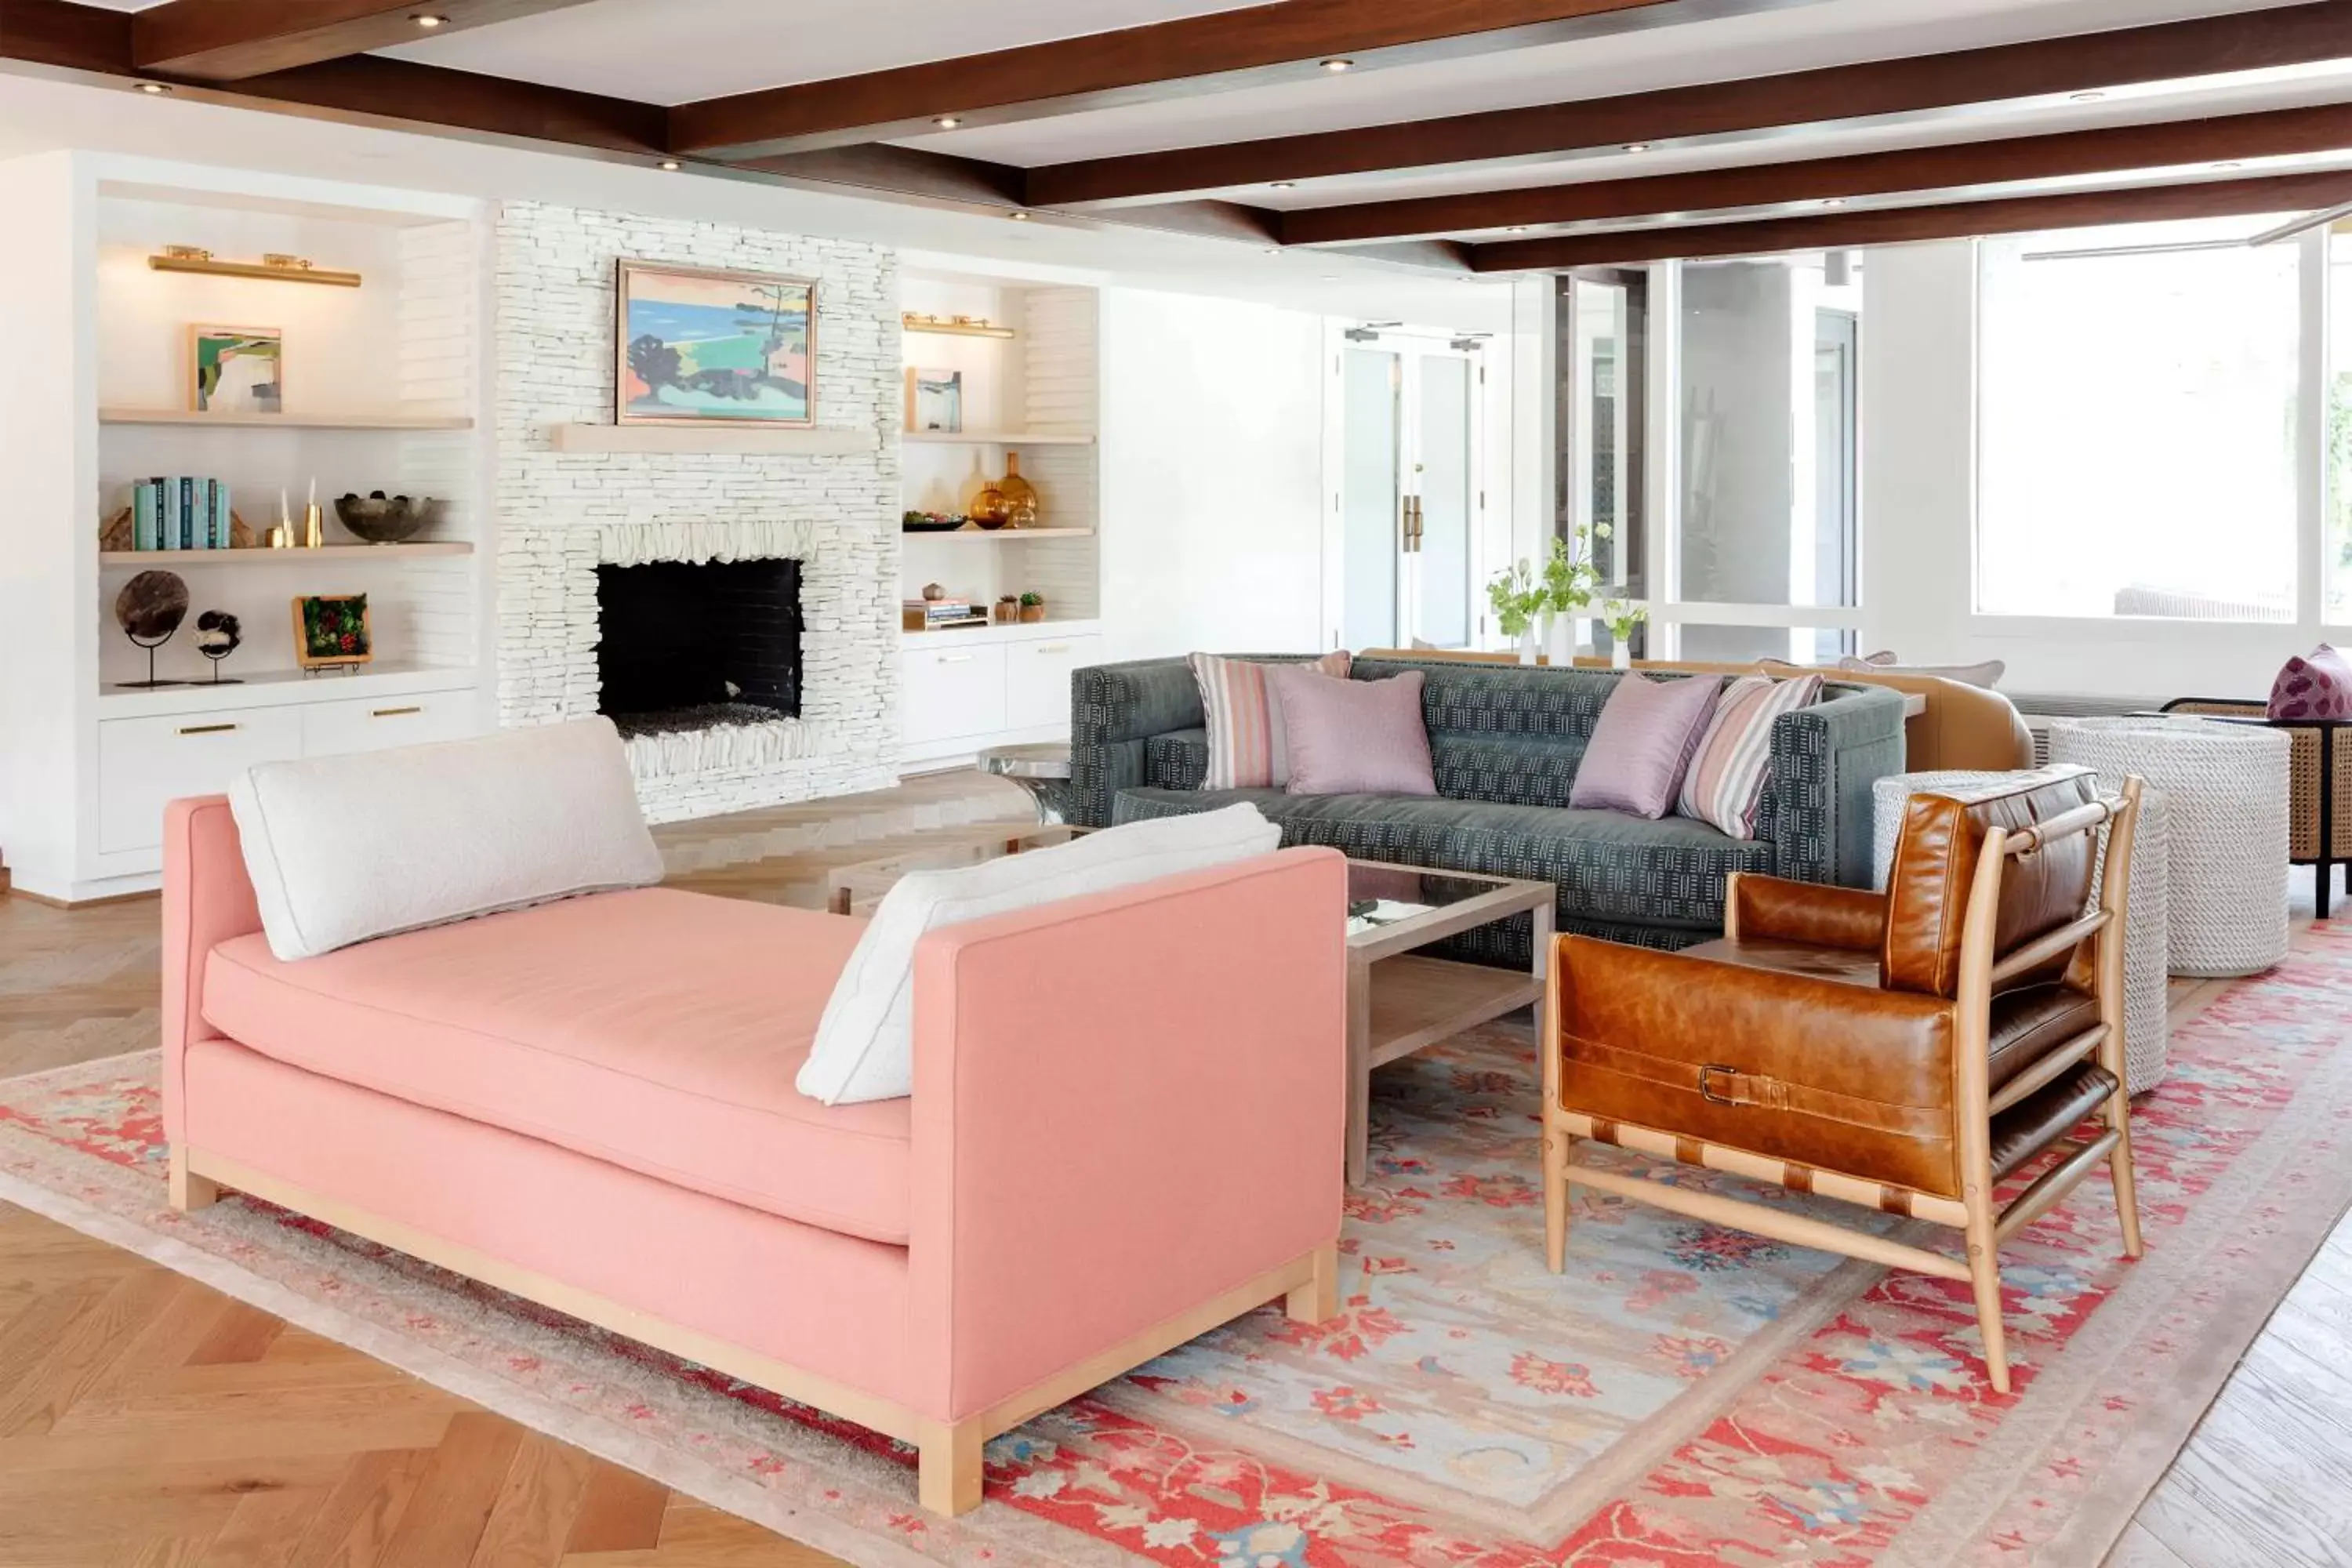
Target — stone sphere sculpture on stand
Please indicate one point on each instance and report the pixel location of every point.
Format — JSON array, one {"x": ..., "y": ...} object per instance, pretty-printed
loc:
[{"x": 148, "y": 610}]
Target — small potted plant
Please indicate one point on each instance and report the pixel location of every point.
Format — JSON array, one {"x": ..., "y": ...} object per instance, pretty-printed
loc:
[
  {"x": 1032, "y": 607},
  {"x": 1008, "y": 610},
  {"x": 1517, "y": 597}
]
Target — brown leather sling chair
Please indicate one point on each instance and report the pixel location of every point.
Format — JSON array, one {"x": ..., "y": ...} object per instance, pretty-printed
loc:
[{"x": 1905, "y": 1050}]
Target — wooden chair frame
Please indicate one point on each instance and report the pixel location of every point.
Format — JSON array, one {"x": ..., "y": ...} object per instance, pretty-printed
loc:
[{"x": 1985, "y": 1223}]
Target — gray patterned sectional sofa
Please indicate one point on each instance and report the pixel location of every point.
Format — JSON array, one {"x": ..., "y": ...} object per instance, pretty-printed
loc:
[{"x": 1506, "y": 740}]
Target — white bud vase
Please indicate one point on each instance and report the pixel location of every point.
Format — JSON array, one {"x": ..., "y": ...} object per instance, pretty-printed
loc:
[
  {"x": 1560, "y": 639},
  {"x": 1528, "y": 646},
  {"x": 1621, "y": 655}
]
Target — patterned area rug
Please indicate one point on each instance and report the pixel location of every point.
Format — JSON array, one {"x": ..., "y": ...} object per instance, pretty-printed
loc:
[{"x": 1684, "y": 1396}]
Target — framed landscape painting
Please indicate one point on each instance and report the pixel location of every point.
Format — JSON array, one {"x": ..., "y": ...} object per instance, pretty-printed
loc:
[{"x": 702, "y": 347}]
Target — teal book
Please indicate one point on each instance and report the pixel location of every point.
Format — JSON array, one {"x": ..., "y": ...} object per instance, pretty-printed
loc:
[
  {"x": 142, "y": 515},
  {"x": 186, "y": 515}
]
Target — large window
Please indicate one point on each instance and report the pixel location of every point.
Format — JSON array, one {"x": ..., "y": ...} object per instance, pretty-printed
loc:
[{"x": 2138, "y": 424}]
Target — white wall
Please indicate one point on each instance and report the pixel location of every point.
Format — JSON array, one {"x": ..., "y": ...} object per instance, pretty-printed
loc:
[
  {"x": 1211, "y": 475},
  {"x": 1918, "y": 507},
  {"x": 47, "y": 559}
]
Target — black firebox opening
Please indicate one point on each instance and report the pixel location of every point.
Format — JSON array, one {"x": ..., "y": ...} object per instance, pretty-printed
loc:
[{"x": 692, "y": 647}]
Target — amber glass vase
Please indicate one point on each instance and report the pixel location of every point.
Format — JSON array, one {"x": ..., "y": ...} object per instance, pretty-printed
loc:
[{"x": 1020, "y": 495}]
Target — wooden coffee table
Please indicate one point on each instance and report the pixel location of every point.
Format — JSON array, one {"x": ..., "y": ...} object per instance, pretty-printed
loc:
[{"x": 1399, "y": 1001}]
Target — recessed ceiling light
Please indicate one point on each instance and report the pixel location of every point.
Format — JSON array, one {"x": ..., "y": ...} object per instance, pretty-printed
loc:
[
  {"x": 947, "y": 122},
  {"x": 1330, "y": 278},
  {"x": 428, "y": 20},
  {"x": 1018, "y": 217},
  {"x": 2087, "y": 97},
  {"x": 1516, "y": 228},
  {"x": 1284, "y": 185},
  {"x": 1833, "y": 201},
  {"x": 2229, "y": 165},
  {"x": 1635, "y": 147},
  {"x": 156, "y": 87},
  {"x": 1335, "y": 66},
  {"x": 671, "y": 166}
]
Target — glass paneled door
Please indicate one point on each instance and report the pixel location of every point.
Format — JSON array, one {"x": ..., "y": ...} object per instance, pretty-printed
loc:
[{"x": 1410, "y": 492}]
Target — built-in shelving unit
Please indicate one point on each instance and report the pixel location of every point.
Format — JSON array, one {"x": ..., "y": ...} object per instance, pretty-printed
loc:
[
  {"x": 182, "y": 560},
  {"x": 1030, "y": 386},
  {"x": 381, "y": 383},
  {"x": 286, "y": 421}
]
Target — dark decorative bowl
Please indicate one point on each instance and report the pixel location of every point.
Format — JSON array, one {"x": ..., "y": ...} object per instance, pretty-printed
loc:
[
  {"x": 379, "y": 519},
  {"x": 917, "y": 524}
]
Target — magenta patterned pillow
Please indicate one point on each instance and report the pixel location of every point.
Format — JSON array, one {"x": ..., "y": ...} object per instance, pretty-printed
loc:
[
  {"x": 1647, "y": 731},
  {"x": 2316, "y": 685},
  {"x": 1354, "y": 737}
]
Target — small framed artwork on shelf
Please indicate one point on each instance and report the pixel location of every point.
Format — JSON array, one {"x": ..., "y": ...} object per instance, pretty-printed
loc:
[
  {"x": 331, "y": 632},
  {"x": 700, "y": 347},
  {"x": 236, "y": 370},
  {"x": 935, "y": 401}
]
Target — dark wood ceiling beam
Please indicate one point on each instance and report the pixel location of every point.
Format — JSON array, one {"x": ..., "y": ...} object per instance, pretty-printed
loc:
[
  {"x": 67, "y": 36},
  {"x": 226, "y": 40},
  {"x": 2118, "y": 150},
  {"x": 436, "y": 97},
  {"x": 1898, "y": 226},
  {"x": 1163, "y": 60},
  {"x": 2087, "y": 62}
]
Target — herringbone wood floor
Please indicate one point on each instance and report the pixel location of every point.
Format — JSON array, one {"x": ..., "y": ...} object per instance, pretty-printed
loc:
[{"x": 149, "y": 1422}]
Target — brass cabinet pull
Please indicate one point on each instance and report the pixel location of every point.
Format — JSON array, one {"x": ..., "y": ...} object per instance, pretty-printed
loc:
[
  {"x": 1053, "y": 648},
  {"x": 394, "y": 712},
  {"x": 955, "y": 658},
  {"x": 206, "y": 729}
]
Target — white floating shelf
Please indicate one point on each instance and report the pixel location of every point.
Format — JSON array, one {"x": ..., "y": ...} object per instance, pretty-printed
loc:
[
  {"x": 708, "y": 439},
  {"x": 995, "y": 438},
  {"x": 999, "y": 534},
  {"x": 265, "y": 557},
  {"x": 287, "y": 421}
]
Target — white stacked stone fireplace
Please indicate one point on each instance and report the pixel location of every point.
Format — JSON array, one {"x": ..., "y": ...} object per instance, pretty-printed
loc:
[{"x": 563, "y": 514}]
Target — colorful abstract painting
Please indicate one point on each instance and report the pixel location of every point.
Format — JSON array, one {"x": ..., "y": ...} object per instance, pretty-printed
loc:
[
  {"x": 237, "y": 370},
  {"x": 698, "y": 346}
]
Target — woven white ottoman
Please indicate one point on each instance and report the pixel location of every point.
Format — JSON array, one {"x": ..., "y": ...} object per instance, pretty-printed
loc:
[
  {"x": 2148, "y": 1025},
  {"x": 2225, "y": 794}
]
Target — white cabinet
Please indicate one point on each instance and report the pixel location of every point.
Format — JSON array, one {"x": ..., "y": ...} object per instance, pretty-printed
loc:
[
  {"x": 373, "y": 724},
  {"x": 964, "y": 691},
  {"x": 951, "y": 692},
  {"x": 1037, "y": 678},
  {"x": 144, "y": 764}
]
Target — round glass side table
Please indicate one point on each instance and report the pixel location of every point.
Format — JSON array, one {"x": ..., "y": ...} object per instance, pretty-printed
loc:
[{"x": 1044, "y": 770}]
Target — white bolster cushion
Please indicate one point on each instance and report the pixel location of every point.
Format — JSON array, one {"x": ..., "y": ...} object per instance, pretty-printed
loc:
[
  {"x": 343, "y": 849},
  {"x": 865, "y": 1046}
]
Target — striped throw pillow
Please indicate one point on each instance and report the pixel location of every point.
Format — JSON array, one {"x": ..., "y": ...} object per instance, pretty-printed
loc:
[
  {"x": 1247, "y": 749},
  {"x": 1726, "y": 780}
]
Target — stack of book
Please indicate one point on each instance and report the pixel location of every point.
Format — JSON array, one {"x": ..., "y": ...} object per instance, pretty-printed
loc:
[
  {"x": 932, "y": 614},
  {"x": 180, "y": 514}
]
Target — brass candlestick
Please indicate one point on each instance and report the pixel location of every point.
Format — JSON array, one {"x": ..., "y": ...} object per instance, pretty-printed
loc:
[{"x": 314, "y": 526}]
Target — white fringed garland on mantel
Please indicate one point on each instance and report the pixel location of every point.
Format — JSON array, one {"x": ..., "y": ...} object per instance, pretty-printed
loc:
[{"x": 643, "y": 544}]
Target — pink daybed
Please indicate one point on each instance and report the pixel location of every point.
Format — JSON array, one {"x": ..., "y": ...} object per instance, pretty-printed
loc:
[{"x": 1125, "y": 1130}]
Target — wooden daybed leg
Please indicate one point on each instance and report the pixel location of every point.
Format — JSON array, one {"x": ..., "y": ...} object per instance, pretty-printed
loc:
[
  {"x": 1556, "y": 1198},
  {"x": 948, "y": 1467},
  {"x": 1317, "y": 1301},
  {"x": 1984, "y": 1272},
  {"x": 2119, "y": 1167},
  {"x": 190, "y": 1191}
]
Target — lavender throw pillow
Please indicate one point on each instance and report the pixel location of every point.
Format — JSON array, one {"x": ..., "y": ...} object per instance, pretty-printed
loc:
[
  {"x": 1639, "y": 750},
  {"x": 1354, "y": 737},
  {"x": 2318, "y": 685}
]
